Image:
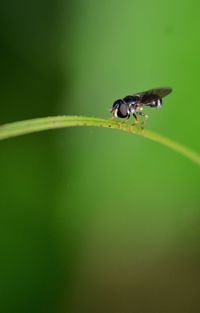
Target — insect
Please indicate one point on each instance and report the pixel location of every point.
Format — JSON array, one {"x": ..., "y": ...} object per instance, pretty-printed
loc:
[{"x": 134, "y": 104}]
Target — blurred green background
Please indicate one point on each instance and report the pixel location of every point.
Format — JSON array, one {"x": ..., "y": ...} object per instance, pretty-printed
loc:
[{"x": 95, "y": 220}]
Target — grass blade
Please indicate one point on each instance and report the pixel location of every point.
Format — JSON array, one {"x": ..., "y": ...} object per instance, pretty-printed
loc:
[{"x": 40, "y": 124}]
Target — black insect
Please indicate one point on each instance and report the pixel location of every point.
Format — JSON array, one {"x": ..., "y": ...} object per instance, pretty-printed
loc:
[{"x": 134, "y": 104}]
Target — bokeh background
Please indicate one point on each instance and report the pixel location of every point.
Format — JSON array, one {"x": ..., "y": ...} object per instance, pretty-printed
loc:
[{"x": 95, "y": 220}]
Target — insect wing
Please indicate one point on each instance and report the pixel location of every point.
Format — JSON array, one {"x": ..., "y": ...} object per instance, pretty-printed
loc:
[
  {"x": 160, "y": 92},
  {"x": 153, "y": 94}
]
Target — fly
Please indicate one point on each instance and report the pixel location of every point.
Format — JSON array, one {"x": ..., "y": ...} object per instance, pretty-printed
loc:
[{"x": 134, "y": 104}]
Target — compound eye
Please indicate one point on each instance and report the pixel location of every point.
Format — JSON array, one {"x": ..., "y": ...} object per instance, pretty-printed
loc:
[
  {"x": 116, "y": 104},
  {"x": 123, "y": 110}
]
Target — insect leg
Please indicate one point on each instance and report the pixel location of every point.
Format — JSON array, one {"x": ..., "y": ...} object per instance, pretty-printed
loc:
[
  {"x": 145, "y": 118},
  {"x": 135, "y": 123},
  {"x": 136, "y": 118},
  {"x": 128, "y": 117},
  {"x": 125, "y": 120}
]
